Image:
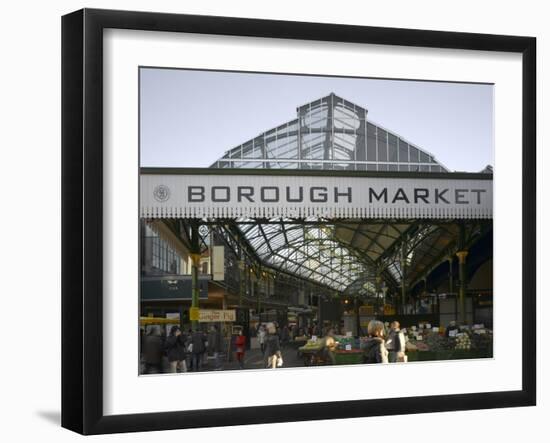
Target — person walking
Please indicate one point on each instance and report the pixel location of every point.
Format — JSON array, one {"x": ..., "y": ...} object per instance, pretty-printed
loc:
[
  {"x": 395, "y": 343},
  {"x": 375, "y": 348},
  {"x": 198, "y": 348},
  {"x": 329, "y": 346},
  {"x": 215, "y": 345},
  {"x": 153, "y": 351},
  {"x": 272, "y": 348},
  {"x": 261, "y": 338},
  {"x": 285, "y": 336},
  {"x": 240, "y": 345},
  {"x": 175, "y": 349}
]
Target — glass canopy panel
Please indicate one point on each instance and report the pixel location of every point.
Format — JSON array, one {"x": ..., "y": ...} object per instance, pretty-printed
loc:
[
  {"x": 336, "y": 131},
  {"x": 308, "y": 251}
]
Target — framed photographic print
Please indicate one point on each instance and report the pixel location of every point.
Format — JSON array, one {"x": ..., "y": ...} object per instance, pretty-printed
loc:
[{"x": 264, "y": 220}]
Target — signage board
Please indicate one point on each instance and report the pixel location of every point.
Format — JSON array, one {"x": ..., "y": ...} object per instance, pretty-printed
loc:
[
  {"x": 211, "y": 195},
  {"x": 216, "y": 315}
]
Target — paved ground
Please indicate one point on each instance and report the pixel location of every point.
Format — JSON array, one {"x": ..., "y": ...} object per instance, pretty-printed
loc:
[{"x": 254, "y": 359}]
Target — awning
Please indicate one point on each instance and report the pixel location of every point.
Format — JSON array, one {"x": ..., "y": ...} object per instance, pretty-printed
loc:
[{"x": 204, "y": 193}]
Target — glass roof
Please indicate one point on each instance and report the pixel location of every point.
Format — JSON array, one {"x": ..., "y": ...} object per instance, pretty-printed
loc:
[
  {"x": 306, "y": 250},
  {"x": 330, "y": 133}
]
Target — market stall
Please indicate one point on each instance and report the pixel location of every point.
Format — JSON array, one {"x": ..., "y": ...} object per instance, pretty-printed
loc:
[{"x": 434, "y": 343}]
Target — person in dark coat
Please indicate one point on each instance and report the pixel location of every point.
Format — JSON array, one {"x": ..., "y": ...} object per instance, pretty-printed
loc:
[
  {"x": 153, "y": 351},
  {"x": 452, "y": 326},
  {"x": 215, "y": 345},
  {"x": 272, "y": 347},
  {"x": 284, "y": 335},
  {"x": 198, "y": 348},
  {"x": 176, "y": 349},
  {"x": 375, "y": 348},
  {"x": 395, "y": 343},
  {"x": 141, "y": 340}
]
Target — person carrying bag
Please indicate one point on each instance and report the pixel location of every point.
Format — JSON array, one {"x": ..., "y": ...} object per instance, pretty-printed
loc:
[{"x": 273, "y": 348}]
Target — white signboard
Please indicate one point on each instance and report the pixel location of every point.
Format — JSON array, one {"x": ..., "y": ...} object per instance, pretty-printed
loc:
[{"x": 181, "y": 194}]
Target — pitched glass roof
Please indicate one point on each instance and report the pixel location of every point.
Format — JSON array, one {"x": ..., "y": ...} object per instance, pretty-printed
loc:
[
  {"x": 330, "y": 133},
  {"x": 305, "y": 250}
]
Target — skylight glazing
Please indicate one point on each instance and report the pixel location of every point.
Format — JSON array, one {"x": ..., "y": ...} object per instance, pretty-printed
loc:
[{"x": 330, "y": 133}]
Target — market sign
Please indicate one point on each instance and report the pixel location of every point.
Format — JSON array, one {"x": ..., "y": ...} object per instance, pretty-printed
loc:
[
  {"x": 240, "y": 195},
  {"x": 214, "y": 315}
]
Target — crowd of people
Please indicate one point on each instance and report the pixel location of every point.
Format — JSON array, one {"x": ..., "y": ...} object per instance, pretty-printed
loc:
[
  {"x": 184, "y": 351},
  {"x": 381, "y": 346},
  {"x": 187, "y": 351}
]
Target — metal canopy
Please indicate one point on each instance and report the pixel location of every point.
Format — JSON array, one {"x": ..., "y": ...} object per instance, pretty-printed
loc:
[
  {"x": 309, "y": 251},
  {"x": 348, "y": 255}
]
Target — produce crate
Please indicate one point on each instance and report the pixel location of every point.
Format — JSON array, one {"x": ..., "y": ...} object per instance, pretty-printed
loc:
[
  {"x": 295, "y": 344},
  {"x": 310, "y": 349},
  {"x": 348, "y": 357},
  {"x": 456, "y": 354}
]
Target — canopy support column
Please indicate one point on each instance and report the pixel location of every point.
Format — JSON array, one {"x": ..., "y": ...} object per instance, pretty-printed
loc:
[
  {"x": 450, "y": 260},
  {"x": 404, "y": 276},
  {"x": 357, "y": 318},
  {"x": 242, "y": 280},
  {"x": 377, "y": 289},
  {"x": 195, "y": 263},
  {"x": 462, "y": 289},
  {"x": 461, "y": 254}
]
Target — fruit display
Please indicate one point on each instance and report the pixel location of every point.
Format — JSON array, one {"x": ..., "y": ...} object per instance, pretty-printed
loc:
[
  {"x": 463, "y": 342},
  {"x": 343, "y": 341},
  {"x": 312, "y": 346},
  {"x": 421, "y": 346},
  {"x": 301, "y": 338},
  {"x": 483, "y": 342},
  {"x": 438, "y": 342}
]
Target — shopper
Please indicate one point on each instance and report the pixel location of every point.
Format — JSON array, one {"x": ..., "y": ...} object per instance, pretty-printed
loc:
[
  {"x": 329, "y": 346},
  {"x": 198, "y": 348},
  {"x": 176, "y": 349},
  {"x": 240, "y": 345},
  {"x": 272, "y": 348},
  {"x": 395, "y": 343},
  {"x": 153, "y": 351},
  {"x": 284, "y": 336},
  {"x": 317, "y": 331},
  {"x": 141, "y": 340},
  {"x": 215, "y": 345},
  {"x": 261, "y": 338},
  {"x": 452, "y": 326},
  {"x": 375, "y": 349}
]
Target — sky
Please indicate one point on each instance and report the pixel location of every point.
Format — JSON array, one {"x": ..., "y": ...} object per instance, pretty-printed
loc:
[{"x": 190, "y": 118}]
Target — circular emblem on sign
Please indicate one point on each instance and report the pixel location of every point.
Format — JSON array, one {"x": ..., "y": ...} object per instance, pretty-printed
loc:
[{"x": 161, "y": 193}]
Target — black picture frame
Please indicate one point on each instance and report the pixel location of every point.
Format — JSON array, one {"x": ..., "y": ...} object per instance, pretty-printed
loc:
[{"x": 82, "y": 155}]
